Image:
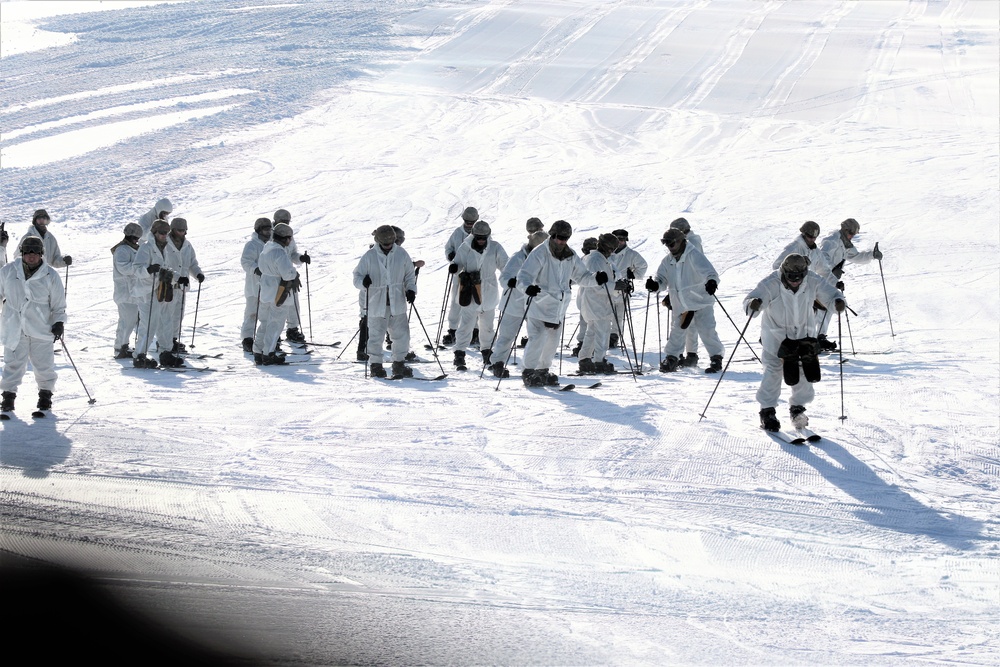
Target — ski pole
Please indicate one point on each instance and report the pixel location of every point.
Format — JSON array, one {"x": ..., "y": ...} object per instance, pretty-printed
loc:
[
  {"x": 66, "y": 282},
  {"x": 621, "y": 334},
  {"x": 731, "y": 355},
  {"x": 840, "y": 347},
  {"x": 627, "y": 296},
  {"x": 309, "y": 302},
  {"x": 659, "y": 333},
  {"x": 444, "y": 308},
  {"x": 527, "y": 304},
  {"x": 91, "y": 400},
  {"x": 197, "y": 303},
  {"x": 256, "y": 315},
  {"x": 497, "y": 331},
  {"x": 884, "y": 291},
  {"x": 366, "y": 315},
  {"x": 356, "y": 332},
  {"x": 737, "y": 329},
  {"x": 850, "y": 334},
  {"x": 149, "y": 320},
  {"x": 180, "y": 320},
  {"x": 562, "y": 339},
  {"x": 645, "y": 328},
  {"x": 428, "y": 336}
]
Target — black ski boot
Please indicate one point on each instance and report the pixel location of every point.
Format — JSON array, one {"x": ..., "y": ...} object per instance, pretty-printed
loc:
[
  {"x": 668, "y": 365},
  {"x": 377, "y": 370},
  {"x": 273, "y": 359},
  {"x": 769, "y": 420},
  {"x": 401, "y": 370},
  {"x": 460, "y": 360},
  {"x": 825, "y": 344},
  {"x": 551, "y": 379},
  {"x": 44, "y": 399},
  {"x": 169, "y": 360},
  {"x": 449, "y": 338},
  {"x": 258, "y": 359},
  {"x": 613, "y": 342},
  {"x": 123, "y": 353},
  {"x": 8, "y": 401},
  {"x": 178, "y": 347},
  {"x": 688, "y": 361},
  {"x": 487, "y": 355},
  {"x": 576, "y": 350},
  {"x": 716, "y": 364},
  {"x": 587, "y": 367},
  {"x": 475, "y": 337},
  {"x": 524, "y": 341},
  {"x": 293, "y": 334},
  {"x": 798, "y": 415},
  {"x": 533, "y": 378},
  {"x": 410, "y": 356},
  {"x": 142, "y": 361},
  {"x": 499, "y": 370},
  {"x": 248, "y": 345},
  {"x": 362, "y": 356},
  {"x": 605, "y": 367}
]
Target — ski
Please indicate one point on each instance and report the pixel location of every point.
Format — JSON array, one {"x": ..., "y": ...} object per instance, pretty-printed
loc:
[
  {"x": 337, "y": 344},
  {"x": 810, "y": 436},
  {"x": 40, "y": 414},
  {"x": 4, "y": 417},
  {"x": 413, "y": 377},
  {"x": 786, "y": 437},
  {"x": 188, "y": 355}
]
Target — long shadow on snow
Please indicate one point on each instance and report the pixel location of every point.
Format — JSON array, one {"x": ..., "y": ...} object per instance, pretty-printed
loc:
[
  {"x": 35, "y": 447},
  {"x": 887, "y": 505},
  {"x": 592, "y": 407}
]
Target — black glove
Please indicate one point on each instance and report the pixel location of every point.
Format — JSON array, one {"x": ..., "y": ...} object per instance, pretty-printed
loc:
[
  {"x": 453, "y": 268},
  {"x": 184, "y": 281},
  {"x": 69, "y": 260},
  {"x": 257, "y": 272},
  {"x": 451, "y": 255},
  {"x": 57, "y": 330},
  {"x": 152, "y": 268},
  {"x": 666, "y": 302},
  {"x": 755, "y": 305},
  {"x": 711, "y": 286},
  {"x": 410, "y": 296},
  {"x": 200, "y": 278},
  {"x": 840, "y": 285},
  {"x": 652, "y": 285},
  {"x": 4, "y": 237},
  {"x": 533, "y": 290},
  {"x": 621, "y": 286},
  {"x": 366, "y": 281},
  {"x": 840, "y": 304},
  {"x": 601, "y": 277},
  {"x": 304, "y": 258},
  {"x": 512, "y": 283},
  {"x": 629, "y": 274},
  {"x": 876, "y": 253}
]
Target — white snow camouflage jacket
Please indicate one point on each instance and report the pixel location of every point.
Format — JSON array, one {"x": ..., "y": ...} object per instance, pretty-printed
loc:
[
  {"x": 685, "y": 279},
  {"x": 836, "y": 252},
  {"x": 594, "y": 303},
  {"x": 492, "y": 259},
  {"x": 30, "y": 306},
  {"x": 53, "y": 255},
  {"x": 248, "y": 260},
  {"x": 553, "y": 276},
  {"x": 275, "y": 266},
  {"x": 788, "y": 314},
  {"x": 391, "y": 275},
  {"x": 817, "y": 258}
]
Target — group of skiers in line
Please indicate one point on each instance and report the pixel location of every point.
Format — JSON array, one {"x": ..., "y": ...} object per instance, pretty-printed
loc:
[
  {"x": 154, "y": 264},
  {"x": 533, "y": 286}
]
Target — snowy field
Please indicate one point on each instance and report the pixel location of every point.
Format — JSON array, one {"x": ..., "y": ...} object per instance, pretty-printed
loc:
[{"x": 306, "y": 515}]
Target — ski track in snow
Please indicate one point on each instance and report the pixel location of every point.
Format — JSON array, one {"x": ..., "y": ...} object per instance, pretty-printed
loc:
[{"x": 452, "y": 521}]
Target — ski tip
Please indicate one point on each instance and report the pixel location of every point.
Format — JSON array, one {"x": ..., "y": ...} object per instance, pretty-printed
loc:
[
  {"x": 568, "y": 387},
  {"x": 92, "y": 401}
]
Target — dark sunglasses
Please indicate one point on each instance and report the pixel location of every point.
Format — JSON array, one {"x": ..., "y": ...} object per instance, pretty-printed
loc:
[
  {"x": 561, "y": 237},
  {"x": 481, "y": 237}
]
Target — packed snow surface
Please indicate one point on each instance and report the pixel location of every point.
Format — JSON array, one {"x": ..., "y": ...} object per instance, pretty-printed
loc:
[{"x": 306, "y": 514}]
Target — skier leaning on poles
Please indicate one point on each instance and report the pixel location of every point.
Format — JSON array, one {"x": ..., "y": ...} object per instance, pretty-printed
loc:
[
  {"x": 181, "y": 259},
  {"x": 294, "y": 331},
  {"x": 278, "y": 283},
  {"x": 478, "y": 260},
  {"x": 33, "y": 313},
  {"x": 839, "y": 250},
  {"x": 251, "y": 282},
  {"x": 691, "y": 280},
  {"x": 469, "y": 217},
  {"x": 598, "y": 307},
  {"x": 630, "y": 265},
  {"x": 691, "y": 338},
  {"x": 385, "y": 274},
  {"x": 512, "y": 303},
  {"x": 785, "y": 301},
  {"x": 153, "y": 292},
  {"x": 545, "y": 278}
]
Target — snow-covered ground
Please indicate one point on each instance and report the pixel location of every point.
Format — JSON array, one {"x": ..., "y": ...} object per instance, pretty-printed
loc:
[{"x": 308, "y": 515}]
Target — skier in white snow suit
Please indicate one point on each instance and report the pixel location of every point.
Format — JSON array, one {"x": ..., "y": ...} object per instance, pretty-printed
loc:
[
  {"x": 123, "y": 267},
  {"x": 40, "y": 227},
  {"x": 788, "y": 329},
  {"x": 691, "y": 337},
  {"x": 251, "y": 282},
  {"x": 161, "y": 211},
  {"x": 33, "y": 313},
  {"x": 840, "y": 250},
  {"x": 477, "y": 263},
  {"x": 599, "y": 306},
  {"x": 545, "y": 277},
  {"x": 182, "y": 261},
  {"x": 385, "y": 274},
  {"x": 630, "y": 266},
  {"x": 469, "y": 217},
  {"x": 292, "y": 316},
  {"x": 153, "y": 293},
  {"x": 513, "y": 312},
  {"x": 278, "y": 283},
  {"x": 691, "y": 280}
]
